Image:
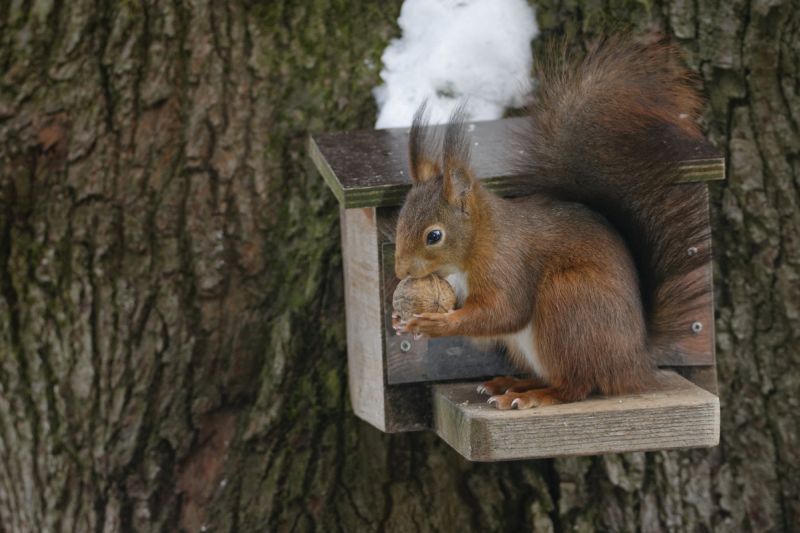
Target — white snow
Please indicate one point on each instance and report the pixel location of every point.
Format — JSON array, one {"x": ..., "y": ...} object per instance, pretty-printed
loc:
[{"x": 456, "y": 50}]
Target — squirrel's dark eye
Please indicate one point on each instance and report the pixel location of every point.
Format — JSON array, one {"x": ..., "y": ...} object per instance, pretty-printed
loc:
[{"x": 434, "y": 236}]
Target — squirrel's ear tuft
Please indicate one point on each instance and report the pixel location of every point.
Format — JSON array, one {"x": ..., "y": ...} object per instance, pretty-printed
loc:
[
  {"x": 458, "y": 180},
  {"x": 421, "y": 146}
]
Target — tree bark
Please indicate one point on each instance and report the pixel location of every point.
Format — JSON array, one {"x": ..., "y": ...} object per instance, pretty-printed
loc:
[{"x": 172, "y": 351}]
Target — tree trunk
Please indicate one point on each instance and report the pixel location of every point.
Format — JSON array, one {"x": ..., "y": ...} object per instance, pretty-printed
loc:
[{"x": 171, "y": 334}]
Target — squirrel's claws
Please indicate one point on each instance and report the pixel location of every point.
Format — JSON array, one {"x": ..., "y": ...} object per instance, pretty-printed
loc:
[
  {"x": 406, "y": 326},
  {"x": 504, "y": 402},
  {"x": 499, "y": 402}
]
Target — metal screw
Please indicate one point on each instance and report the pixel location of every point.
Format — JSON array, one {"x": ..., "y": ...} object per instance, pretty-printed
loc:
[
  {"x": 405, "y": 346},
  {"x": 697, "y": 327},
  {"x": 691, "y": 251}
]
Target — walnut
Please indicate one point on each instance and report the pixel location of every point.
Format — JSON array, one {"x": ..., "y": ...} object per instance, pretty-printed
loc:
[{"x": 430, "y": 294}]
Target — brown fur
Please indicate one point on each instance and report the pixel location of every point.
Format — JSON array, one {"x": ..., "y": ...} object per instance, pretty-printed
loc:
[{"x": 595, "y": 259}]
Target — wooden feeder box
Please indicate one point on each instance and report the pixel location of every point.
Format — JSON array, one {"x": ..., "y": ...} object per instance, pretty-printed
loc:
[{"x": 399, "y": 384}]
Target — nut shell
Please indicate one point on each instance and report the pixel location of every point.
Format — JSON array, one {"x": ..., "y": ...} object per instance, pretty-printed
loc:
[{"x": 430, "y": 294}]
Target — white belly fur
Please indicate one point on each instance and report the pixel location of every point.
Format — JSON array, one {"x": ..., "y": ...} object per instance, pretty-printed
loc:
[
  {"x": 460, "y": 285},
  {"x": 523, "y": 343}
]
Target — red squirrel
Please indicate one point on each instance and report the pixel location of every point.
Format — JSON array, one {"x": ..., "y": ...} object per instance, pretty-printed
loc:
[{"x": 588, "y": 278}]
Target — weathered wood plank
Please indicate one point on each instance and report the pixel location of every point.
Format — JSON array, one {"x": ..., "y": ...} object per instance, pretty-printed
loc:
[
  {"x": 676, "y": 414},
  {"x": 363, "y": 314},
  {"x": 368, "y": 168},
  {"x": 698, "y": 347}
]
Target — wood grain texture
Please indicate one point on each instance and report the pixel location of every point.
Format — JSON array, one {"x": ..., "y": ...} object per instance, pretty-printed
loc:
[
  {"x": 368, "y": 167},
  {"x": 391, "y": 409},
  {"x": 363, "y": 310},
  {"x": 676, "y": 414}
]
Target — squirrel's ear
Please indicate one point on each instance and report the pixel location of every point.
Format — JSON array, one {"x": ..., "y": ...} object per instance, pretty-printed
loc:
[
  {"x": 421, "y": 144},
  {"x": 458, "y": 181},
  {"x": 457, "y": 186}
]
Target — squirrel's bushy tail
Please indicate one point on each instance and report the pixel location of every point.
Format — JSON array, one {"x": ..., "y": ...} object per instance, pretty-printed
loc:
[{"x": 607, "y": 132}]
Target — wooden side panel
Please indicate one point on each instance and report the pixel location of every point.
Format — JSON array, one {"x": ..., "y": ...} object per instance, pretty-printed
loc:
[
  {"x": 698, "y": 348},
  {"x": 363, "y": 310},
  {"x": 676, "y": 414}
]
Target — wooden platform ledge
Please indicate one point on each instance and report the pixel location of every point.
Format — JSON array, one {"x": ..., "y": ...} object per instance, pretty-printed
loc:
[{"x": 678, "y": 414}]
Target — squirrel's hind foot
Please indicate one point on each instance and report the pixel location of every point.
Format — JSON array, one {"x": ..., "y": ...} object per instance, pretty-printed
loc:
[
  {"x": 503, "y": 384},
  {"x": 525, "y": 400}
]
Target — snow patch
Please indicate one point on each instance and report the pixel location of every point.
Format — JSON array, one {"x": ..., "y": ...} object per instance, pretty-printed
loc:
[{"x": 456, "y": 50}]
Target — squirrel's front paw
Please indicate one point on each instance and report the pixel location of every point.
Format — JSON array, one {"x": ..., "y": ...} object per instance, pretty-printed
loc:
[{"x": 431, "y": 324}]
